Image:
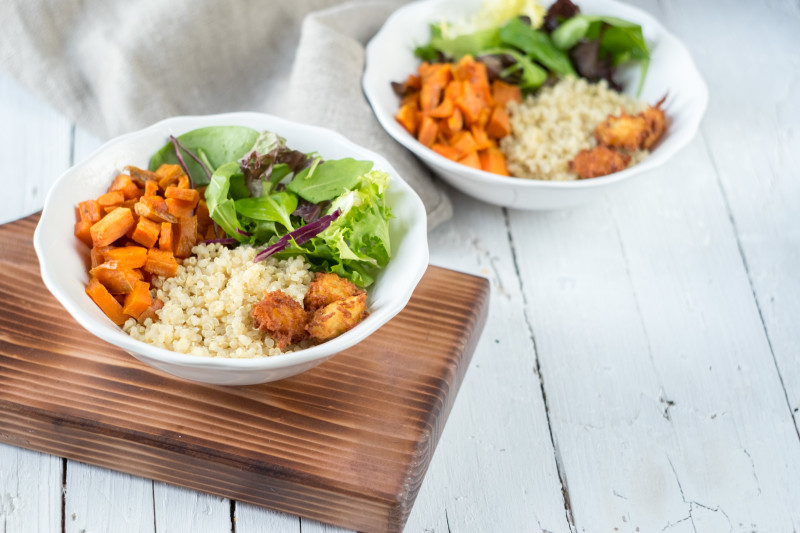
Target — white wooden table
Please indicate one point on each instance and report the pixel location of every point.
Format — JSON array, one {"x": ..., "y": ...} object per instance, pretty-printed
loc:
[{"x": 640, "y": 368}]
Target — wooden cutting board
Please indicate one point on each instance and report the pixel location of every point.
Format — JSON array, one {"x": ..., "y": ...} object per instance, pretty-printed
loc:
[{"x": 347, "y": 442}]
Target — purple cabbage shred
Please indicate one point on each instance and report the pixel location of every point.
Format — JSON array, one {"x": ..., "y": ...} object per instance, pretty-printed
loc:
[{"x": 300, "y": 235}]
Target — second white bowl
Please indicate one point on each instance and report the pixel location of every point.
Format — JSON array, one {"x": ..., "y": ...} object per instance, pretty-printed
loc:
[{"x": 390, "y": 57}]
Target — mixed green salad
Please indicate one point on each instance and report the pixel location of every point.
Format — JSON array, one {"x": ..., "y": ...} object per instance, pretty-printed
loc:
[
  {"x": 261, "y": 192},
  {"x": 521, "y": 44}
]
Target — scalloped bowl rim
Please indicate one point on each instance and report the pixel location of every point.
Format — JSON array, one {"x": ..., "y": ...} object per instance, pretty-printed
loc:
[
  {"x": 656, "y": 158},
  {"x": 416, "y": 229}
]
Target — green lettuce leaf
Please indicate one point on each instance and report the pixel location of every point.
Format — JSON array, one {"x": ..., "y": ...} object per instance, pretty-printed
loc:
[{"x": 215, "y": 145}]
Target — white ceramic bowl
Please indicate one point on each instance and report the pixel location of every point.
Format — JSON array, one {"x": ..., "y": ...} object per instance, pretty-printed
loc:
[
  {"x": 63, "y": 258},
  {"x": 390, "y": 58}
]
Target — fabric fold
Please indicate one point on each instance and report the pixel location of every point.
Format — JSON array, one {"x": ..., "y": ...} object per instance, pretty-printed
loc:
[{"x": 113, "y": 66}]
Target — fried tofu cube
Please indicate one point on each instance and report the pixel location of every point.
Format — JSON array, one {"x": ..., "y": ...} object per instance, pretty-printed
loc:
[
  {"x": 326, "y": 289},
  {"x": 599, "y": 161},
  {"x": 337, "y": 317},
  {"x": 281, "y": 317},
  {"x": 625, "y": 131}
]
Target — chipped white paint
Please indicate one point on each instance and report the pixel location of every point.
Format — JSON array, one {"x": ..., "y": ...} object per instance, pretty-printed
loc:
[{"x": 653, "y": 334}]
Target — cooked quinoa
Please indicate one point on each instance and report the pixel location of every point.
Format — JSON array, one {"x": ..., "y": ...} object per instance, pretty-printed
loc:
[
  {"x": 208, "y": 304},
  {"x": 549, "y": 128}
]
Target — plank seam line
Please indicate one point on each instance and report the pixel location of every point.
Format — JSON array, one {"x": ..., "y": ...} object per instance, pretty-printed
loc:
[
  {"x": 664, "y": 397},
  {"x": 743, "y": 256},
  {"x": 153, "y": 499},
  {"x": 562, "y": 477},
  {"x": 63, "y": 495}
]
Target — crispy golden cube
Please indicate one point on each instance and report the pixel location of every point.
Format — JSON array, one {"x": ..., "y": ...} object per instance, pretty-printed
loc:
[
  {"x": 281, "y": 317},
  {"x": 599, "y": 161},
  {"x": 625, "y": 131},
  {"x": 326, "y": 289},
  {"x": 337, "y": 317}
]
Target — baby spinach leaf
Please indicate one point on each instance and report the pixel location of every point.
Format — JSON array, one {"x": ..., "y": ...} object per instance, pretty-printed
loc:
[
  {"x": 529, "y": 74},
  {"x": 222, "y": 208},
  {"x": 216, "y": 145},
  {"x": 276, "y": 207},
  {"x": 586, "y": 26},
  {"x": 620, "y": 40},
  {"x": 328, "y": 179},
  {"x": 537, "y": 45}
]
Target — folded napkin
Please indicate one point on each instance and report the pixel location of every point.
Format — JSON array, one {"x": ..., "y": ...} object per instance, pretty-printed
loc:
[{"x": 114, "y": 66}]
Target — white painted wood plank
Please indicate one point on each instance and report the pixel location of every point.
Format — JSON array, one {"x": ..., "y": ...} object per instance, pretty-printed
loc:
[
  {"x": 101, "y": 500},
  {"x": 84, "y": 143},
  {"x": 756, "y": 152},
  {"x": 35, "y": 141},
  {"x": 30, "y": 491},
  {"x": 179, "y": 510},
  {"x": 638, "y": 303},
  {"x": 494, "y": 468},
  {"x": 253, "y": 519},
  {"x": 34, "y": 150}
]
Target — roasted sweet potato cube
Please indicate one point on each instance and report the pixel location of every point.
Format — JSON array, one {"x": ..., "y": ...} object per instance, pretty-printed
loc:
[
  {"x": 117, "y": 280},
  {"x": 447, "y": 151},
  {"x": 127, "y": 256},
  {"x": 470, "y": 103},
  {"x": 83, "y": 231},
  {"x": 474, "y": 72},
  {"x": 428, "y": 131},
  {"x": 165, "y": 238},
  {"x": 141, "y": 176},
  {"x": 186, "y": 236},
  {"x": 97, "y": 255},
  {"x": 130, "y": 204},
  {"x": 481, "y": 138},
  {"x": 154, "y": 208},
  {"x": 493, "y": 160},
  {"x": 471, "y": 160},
  {"x": 499, "y": 124},
  {"x": 503, "y": 92},
  {"x": 169, "y": 171},
  {"x": 124, "y": 184},
  {"x": 146, "y": 232},
  {"x": 138, "y": 300},
  {"x": 161, "y": 263},
  {"x": 452, "y": 124},
  {"x": 168, "y": 181},
  {"x": 90, "y": 210},
  {"x": 464, "y": 143},
  {"x": 151, "y": 188},
  {"x": 187, "y": 195},
  {"x": 407, "y": 117},
  {"x": 180, "y": 208},
  {"x": 203, "y": 218},
  {"x": 112, "y": 226},
  {"x": 150, "y": 312},
  {"x": 110, "y": 199},
  {"x": 106, "y": 302}
]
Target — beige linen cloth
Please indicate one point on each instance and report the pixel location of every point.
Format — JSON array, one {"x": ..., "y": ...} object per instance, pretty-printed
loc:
[{"x": 114, "y": 66}]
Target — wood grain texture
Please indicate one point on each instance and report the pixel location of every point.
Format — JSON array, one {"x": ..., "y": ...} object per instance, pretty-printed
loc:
[{"x": 346, "y": 443}]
